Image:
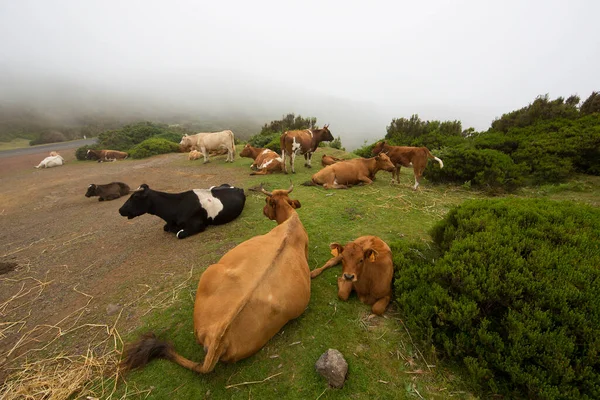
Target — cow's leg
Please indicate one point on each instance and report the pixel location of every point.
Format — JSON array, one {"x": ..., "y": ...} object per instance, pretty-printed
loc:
[
  {"x": 100, "y": 198},
  {"x": 344, "y": 288},
  {"x": 307, "y": 159},
  {"x": 417, "y": 180},
  {"x": 283, "y": 155},
  {"x": 171, "y": 227},
  {"x": 380, "y": 305},
  {"x": 293, "y": 157},
  {"x": 365, "y": 180},
  {"x": 396, "y": 174},
  {"x": 113, "y": 196},
  {"x": 190, "y": 228},
  {"x": 205, "y": 154},
  {"x": 334, "y": 261}
]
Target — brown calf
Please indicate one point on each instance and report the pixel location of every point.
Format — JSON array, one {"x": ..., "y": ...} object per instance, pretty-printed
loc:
[
  {"x": 403, "y": 156},
  {"x": 303, "y": 142},
  {"x": 367, "y": 268},
  {"x": 109, "y": 191},
  {"x": 352, "y": 172},
  {"x": 244, "y": 299}
]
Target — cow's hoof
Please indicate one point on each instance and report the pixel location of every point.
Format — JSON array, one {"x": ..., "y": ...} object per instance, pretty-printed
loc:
[{"x": 182, "y": 234}]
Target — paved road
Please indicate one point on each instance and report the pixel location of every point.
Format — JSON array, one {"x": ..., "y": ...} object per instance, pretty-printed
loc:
[{"x": 43, "y": 148}]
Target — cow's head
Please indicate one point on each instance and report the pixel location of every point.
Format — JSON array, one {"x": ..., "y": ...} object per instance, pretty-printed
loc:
[
  {"x": 91, "y": 191},
  {"x": 247, "y": 151},
  {"x": 384, "y": 162},
  {"x": 186, "y": 143},
  {"x": 325, "y": 134},
  {"x": 378, "y": 148},
  {"x": 90, "y": 155},
  {"x": 353, "y": 259},
  {"x": 137, "y": 204},
  {"x": 279, "y": 205}
]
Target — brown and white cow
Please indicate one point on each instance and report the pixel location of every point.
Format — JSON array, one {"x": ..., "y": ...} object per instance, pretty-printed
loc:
[
  {"x": 106, "y": 155},
  {"x": 403, "y": 156},
  {"x": 244, "y": 299},
  {"x": 367, "y": 268},
  {"x": 303, "y": 142},
  {"x": 265, "y": 160},
  {"x": 343, "y": 174},
  {"x": 210, "y": 141},
  {"x": 329, "y": 160}
]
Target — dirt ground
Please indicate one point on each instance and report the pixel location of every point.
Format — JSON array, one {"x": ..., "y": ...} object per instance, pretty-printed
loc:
[{"x": 68, "y": 260}]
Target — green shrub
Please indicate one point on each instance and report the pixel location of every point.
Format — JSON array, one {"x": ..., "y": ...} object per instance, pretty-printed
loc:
[
  {"x": 365, "y": 151},
  {"x": 486, "y": 169},
  {"x": 152, "y": 147},
  {"x": 514, "y": 295},
  {"x": 174, "y": 137},
  {"x": 263, "y": 140},
  {"x": 50, "y": 136},
  {"x": 128, "y": 136}
]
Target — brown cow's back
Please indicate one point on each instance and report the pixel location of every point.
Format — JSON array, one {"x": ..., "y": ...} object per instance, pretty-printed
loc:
[{"x": 245, "y": 299}]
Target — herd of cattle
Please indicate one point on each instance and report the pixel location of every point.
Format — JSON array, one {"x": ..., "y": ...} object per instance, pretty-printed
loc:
[{"x": 244, "y": 299}]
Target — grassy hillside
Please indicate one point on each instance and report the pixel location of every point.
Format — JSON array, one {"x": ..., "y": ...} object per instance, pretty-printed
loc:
[{"x": 385, "y": 361}]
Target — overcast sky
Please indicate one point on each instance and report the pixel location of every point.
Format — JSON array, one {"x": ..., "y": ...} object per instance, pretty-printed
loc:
[{"x": 468, "y": 60}]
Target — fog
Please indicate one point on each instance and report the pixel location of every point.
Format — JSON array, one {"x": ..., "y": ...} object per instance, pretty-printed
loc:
[{"x": 354, "y": 65}]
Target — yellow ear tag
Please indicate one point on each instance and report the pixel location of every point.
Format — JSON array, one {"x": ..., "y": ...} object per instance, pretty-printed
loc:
[
  {"x": 335, "y": 252},
  {"x": 372, "y": 257}
]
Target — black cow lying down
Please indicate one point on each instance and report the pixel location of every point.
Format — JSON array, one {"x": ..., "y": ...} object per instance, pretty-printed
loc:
[
  {"x": 190, "y": 212},
  {"x": 110, "y": 191}
]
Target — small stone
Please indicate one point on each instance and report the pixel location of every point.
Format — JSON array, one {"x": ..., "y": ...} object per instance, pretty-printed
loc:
[
  {"x": 333, "y": 367},
  {"x": 112, "y": 309}
]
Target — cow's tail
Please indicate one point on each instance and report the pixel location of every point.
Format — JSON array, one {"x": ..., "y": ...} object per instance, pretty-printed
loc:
[
  {"x": 232, "y": 144},
  {"x": 149, "y": 347},
  {"x": 429, "y": 155}
]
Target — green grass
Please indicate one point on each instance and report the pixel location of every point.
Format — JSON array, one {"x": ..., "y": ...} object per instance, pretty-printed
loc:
[
  {"x": 380, "y": 352},
  {"x": 17, "y": 143}
]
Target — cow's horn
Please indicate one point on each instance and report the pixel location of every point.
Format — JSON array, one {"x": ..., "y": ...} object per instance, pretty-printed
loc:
[
  {"x": 262, "y": 189},
  {"x": 291, "y": 187},
  {"x": 139, "y": 189}
]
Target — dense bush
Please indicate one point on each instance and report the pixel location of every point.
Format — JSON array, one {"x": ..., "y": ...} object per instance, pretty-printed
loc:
[
  {"x": 263, "y": 140},
  {"x": 486, "y": 169},
  {"x": 514, "y": 294},
  {"x": 48, "y": 137},
  {"x": 128, "y": 136},
  {"x": 152, "y": 147},
  {"x": 417, "y": 133}
]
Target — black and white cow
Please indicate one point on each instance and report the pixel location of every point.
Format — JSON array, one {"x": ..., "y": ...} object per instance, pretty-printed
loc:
[{"x": 190, "y": 212}]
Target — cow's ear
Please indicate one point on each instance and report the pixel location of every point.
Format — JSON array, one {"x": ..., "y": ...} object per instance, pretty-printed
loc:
[
  {"x": 295, "y": 204},
  {"x": 371, "y": 255},
  {"x": 336, "y": 249}
]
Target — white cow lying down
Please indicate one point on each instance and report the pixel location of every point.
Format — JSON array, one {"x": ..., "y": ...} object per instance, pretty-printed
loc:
[{"x": 51, "y": 161}]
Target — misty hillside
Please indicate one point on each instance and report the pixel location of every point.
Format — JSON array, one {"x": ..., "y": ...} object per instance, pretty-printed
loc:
[{"x": 207, "y": 100}]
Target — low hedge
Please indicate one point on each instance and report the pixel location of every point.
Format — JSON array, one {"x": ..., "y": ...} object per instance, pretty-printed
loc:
[
  {"x": 483, "y": 168},
  {"x": 514, "y": 294},
  {"x": 152, "y": 147}
]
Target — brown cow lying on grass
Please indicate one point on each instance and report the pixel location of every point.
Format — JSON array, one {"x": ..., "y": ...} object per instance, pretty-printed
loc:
[
  {"x": 367, "y": 268},
  {"x": 110, "y": 191},
  {"x": 329, "y": 160},
  {"x": 245, "y": 298},
  {"x": 403, "y": 156},
  {"x": 105, "y": 155},
  {"x": 265, "y": 160},
  {"x": 351, "y": 172}
]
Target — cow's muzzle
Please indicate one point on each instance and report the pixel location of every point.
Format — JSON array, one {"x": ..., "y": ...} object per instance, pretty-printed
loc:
[{"x": 350, "y": 277}]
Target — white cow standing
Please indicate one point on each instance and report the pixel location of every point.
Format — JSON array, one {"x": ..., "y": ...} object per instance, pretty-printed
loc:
[
  {"x": 51, "y": 161},
  {"x": 206, "y": 142}
]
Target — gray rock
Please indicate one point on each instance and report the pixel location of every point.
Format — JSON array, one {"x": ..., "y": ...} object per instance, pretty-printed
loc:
[
  {"x": 333, "y": 367},
  {"x": 112, "y": 309}
]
